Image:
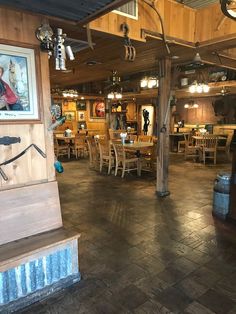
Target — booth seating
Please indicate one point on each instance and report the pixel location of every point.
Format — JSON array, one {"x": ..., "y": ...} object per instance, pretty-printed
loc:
[{"x": 37, "y": 255}]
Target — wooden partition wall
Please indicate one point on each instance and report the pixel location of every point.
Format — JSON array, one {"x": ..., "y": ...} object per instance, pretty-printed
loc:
[{"x": 30, "y": 172}]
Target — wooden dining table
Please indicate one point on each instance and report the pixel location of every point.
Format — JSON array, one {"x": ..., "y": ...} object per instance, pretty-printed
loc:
[
  {"x": 138, "y": 146},
  {"x": 67, "y": 139}
]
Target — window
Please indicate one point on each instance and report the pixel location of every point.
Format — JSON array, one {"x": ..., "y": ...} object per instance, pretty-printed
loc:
[{"x": 129, "y": 9}]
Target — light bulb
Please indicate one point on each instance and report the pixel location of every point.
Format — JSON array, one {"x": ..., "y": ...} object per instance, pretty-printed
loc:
[
  {"x": 118, "y": 96},
  {"x": 199, "y": 88},
  {"x": 144, "y": 83},
  {"x": 195, "y": 105},
  {"x": 110, "y": 96},
  {"x": 186, "y": 106},
  {"x": 152, "y": 82},
  {"x": 206, "y": 88},
  {"x": 192, "y": 89}
]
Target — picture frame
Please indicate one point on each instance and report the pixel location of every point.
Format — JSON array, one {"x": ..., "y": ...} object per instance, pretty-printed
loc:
[
  {"x": 82, "y": 125},
  {"x": 70, "y": 115},
  {"x": 81, "y": 105},
  {"x": 81, "y": 115},
  {"x": 97, "y": 109},
  {"x": 19, "y": 98}
]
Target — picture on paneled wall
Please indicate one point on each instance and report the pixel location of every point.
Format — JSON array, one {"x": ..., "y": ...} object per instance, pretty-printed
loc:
[
  {"x": 97, "y": 109},
  {"x": 18, "y": 87},
  {"x": 70, "y": 115},
  {"x": 81, "y": 115},
  {"x": 81, "y": 105}
]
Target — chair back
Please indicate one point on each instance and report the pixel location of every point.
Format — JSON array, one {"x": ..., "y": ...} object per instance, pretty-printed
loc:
[
  {"x": 104, "y": 147},
  {"x": 200, "y": 141},
  {"x": 228, "y": 141},
  {"x": 132, "y": 137},
  {"x": 210, "y": 141},
  {"x": 145, "y": 138},
  {"x": 119, "y": 150},
  {"x": 92, "y": 148}
]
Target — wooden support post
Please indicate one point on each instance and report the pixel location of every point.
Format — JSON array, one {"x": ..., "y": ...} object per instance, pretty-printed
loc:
[{"x": 163, "y": 121}]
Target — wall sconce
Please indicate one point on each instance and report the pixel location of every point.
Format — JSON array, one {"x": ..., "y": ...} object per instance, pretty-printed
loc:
[
  {"x": 149, "y": 82},
  {"x": 54, "y": 43},
  {"x": 191, "y": 105}
]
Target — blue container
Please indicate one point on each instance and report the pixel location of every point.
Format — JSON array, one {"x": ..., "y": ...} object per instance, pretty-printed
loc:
[{"x": 221, "y": 195}]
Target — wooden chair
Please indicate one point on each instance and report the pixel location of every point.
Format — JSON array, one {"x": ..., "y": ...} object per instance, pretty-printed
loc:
[
  {"x": 182, "y": 143},
  {"x": 226, "y": 147},
  {"x": 149, "y": 162},
  {"x": 105, "y": 154},
  {"x": 123, "y": 162},
  {"x": 61, "y": 148},
  {"x": 93, "y": 152},
  {"x": 209, "y": 148},
  {"x": 79, "y": 147},
  {"x": 191, "y": 149},
  {"x": 144, "y": 138}
]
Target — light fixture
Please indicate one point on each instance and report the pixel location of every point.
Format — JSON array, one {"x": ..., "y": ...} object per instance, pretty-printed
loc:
[
  {"x": 149, "y": 82},
  {"x": 191, "y": 105},
  {"x": 70, "y": 93},
  {"x": 115, "y": 90},
  {"x": 199, "y": 88}
]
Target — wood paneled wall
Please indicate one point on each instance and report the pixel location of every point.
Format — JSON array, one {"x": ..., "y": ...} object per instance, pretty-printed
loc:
[
  {"x": 18, "y": 28},
  {"x": 210, "y": 23},
  {"x": 179, "y": 21},
  {"x": 201, "y": 115}
]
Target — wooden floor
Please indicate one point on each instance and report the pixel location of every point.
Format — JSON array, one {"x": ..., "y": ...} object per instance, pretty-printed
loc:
[{"x": 140, "y": 254}]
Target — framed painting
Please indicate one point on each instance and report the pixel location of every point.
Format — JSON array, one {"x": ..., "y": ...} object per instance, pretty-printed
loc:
[
  {"x": 81, "y": 105},
  {"x": 18, "y": 85},
  {"x": 97, "y": 109},
  {"x": 70, "y": 115},
  {"x": 81, "y": 115}
]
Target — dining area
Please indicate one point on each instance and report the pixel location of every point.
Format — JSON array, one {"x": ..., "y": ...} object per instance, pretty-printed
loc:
[
  {"x": 109, "y": 153},
  {"x": 205, "y": 147}
]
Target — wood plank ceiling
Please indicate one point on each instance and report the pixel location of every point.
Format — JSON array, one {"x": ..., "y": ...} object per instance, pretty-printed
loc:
[
  {"x": 108, "y": 54},
  {"x": 80, "y": 11}
]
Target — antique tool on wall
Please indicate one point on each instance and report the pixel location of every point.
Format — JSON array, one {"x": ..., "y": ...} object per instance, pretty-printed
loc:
[
  {"x": 8, "y": 140},
  {"x": 51, "y": 42},
  {"x": 130, "y": 51},
  {"x": 18, "y": 156}
]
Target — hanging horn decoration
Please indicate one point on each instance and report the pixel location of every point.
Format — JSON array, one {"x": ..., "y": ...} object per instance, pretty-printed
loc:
[{"x": 130, "y": 51}]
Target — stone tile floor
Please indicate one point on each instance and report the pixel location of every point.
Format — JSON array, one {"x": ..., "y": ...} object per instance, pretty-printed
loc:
[{"x": 140, "y": 254}]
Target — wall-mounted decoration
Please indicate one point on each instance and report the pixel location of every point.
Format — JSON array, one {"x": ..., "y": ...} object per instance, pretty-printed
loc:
[
  {"x": 70, "y": 115},
  {"x": 82, "y": 125},
  {"x": 97, "y": 109},
  {"x": 81, "y": 115},
  {"x": 81, "y": 105},
  {"x": 18, "y": 86}
]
